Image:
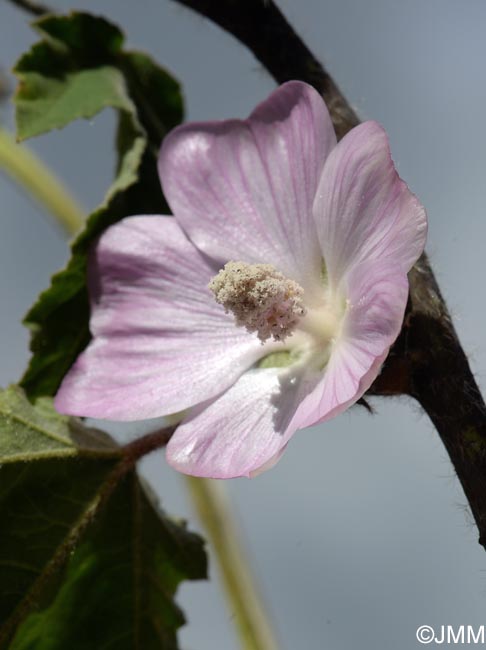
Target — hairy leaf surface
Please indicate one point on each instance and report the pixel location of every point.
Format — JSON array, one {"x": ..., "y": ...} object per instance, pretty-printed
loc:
[{"x": 87, "y": 558}]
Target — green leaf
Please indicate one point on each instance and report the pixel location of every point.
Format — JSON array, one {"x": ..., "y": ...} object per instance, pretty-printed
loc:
[
  {"x": 32, "y": 434},
  {"x": 71, "y": 74},
  {"x": 89, "y": 37},
  {"x": 155, "y": 93},
  {"x": 87, "y": 558},
  {"x": 79, "y": 68},
  {"x": 46, "y": 103},
  {"x": 75, "y": 71}
]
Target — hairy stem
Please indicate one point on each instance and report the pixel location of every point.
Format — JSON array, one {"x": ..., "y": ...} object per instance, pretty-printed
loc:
[
  {"x": 140, "y": 447},
  {"x": 29, "y": 172},
  {"x": 213, "y": 508},
  {"x": 442, "y": 382},
  {"x": 427, "y": 361}
]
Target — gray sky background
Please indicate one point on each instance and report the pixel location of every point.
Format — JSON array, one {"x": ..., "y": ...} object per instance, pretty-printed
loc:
[{"x": 360, "y": 534}]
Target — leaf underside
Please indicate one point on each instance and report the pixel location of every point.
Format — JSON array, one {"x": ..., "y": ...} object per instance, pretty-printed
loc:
[{"x": 87, "y": 558}]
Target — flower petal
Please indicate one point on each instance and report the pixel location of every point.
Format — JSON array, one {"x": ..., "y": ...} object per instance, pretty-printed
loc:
[
  {"x": 377, "y": 300},
  {"x": 160, "y": 342},
  {"x": 244, "y": 430},
  {"x": 363, "y": 210},
  {"x": 245, "y": 189}
]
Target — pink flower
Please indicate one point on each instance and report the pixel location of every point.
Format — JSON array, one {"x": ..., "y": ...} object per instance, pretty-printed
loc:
[{"x": 268, "y": 302}]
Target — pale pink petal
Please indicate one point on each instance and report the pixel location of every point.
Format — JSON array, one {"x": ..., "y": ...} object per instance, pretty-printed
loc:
[
  {"x": 160, "y": 342},
  {"x": 363, "y": 210},
  {"x": 244, "y": 190},
  {"x": 269, "y": 464},
  {"x": 347, "y": 378},
  {"x": 244, "y": 430},
  {"x": 377, "y": 299}
]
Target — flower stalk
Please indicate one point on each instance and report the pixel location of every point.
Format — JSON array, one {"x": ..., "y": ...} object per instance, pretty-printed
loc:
[
  {"x": 29, "y": 172},
  {"x": 212, "y": 505}
]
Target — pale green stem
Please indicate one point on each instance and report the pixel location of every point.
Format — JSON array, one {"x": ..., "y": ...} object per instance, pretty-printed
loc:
[
  {"x": 214, "y": 509},
  {"x": 29, "y": 172},
  {"x": 209, "y": 497}
]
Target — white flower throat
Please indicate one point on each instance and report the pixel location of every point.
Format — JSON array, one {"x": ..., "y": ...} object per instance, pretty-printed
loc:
[{"x": 264, "y": 301}]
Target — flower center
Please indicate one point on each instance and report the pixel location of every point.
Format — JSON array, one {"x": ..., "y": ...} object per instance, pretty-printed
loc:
[{"x": 261, "y": 299}]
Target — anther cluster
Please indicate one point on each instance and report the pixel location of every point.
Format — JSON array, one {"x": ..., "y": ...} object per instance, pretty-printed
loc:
[{"x": 261, "y": 298}]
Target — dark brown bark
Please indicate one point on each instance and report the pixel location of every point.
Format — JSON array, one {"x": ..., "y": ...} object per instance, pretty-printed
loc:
[
  {"x": 262, "y": 27},
  {"x": 427, "y": 361}
]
